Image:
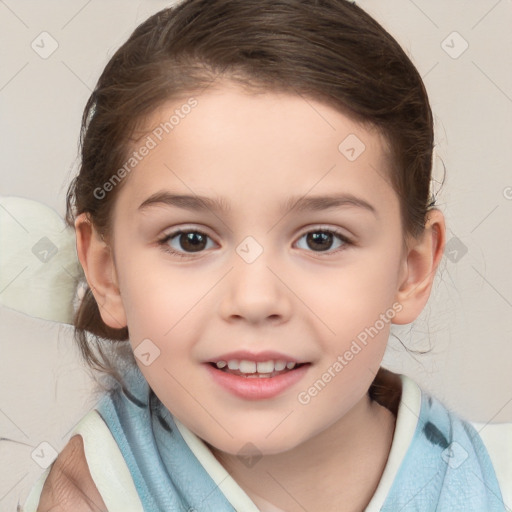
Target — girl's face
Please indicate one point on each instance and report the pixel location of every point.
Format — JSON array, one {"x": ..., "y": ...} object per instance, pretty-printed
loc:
[{"x": 294, "y": 254}]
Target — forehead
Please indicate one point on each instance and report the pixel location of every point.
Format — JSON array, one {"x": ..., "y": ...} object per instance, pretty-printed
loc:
[{"x": 253, "y": 148}]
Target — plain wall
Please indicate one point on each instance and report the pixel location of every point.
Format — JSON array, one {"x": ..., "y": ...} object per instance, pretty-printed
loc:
[{"x": 468, "y": 322}]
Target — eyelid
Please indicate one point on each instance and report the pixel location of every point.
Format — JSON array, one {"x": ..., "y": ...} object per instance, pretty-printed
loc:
[
  {"x": 312, "y": 228},
  {"x": 162, "y": 241},
  {"x": 193, "y": 228},
  {"x": 346, "y": 240},
  {"x": 326, "y": 227}
]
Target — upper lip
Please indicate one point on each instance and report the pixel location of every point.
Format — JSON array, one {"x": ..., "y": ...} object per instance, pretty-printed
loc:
[{"x": 247, "y": 355}]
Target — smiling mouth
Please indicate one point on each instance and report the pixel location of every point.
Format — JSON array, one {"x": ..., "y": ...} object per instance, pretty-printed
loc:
[{"x": 256, "y": 370}]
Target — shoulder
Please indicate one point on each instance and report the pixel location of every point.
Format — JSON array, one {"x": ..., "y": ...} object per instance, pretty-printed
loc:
[
  {"x": 92, "y": 458},
  {"x": 497, "y": 438},
  {"x": 484, "y": 447},
  {"x": 69, "y": 485}
]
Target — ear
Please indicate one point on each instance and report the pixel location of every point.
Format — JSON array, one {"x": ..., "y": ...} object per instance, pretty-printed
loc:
[
  {"x": 96, "y": 258},
  {"x": 423, "y": 255}
]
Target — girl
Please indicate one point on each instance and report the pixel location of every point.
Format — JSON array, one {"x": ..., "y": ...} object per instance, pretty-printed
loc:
[{"x": 252, "y": 213}]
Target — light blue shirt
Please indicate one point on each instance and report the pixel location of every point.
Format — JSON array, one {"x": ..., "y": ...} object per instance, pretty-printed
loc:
[{"x": 446, "y": 468}]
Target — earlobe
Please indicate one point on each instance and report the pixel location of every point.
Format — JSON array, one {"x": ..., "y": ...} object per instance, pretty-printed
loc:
[
  {"x": 419, "y": 268},
  {"x": 96, "y": 258}
]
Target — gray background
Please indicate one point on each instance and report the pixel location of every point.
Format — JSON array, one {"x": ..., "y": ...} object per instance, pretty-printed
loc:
[{"x": 44, "y": 387}]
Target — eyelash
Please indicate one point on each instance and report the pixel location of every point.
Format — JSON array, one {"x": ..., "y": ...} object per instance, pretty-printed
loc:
[{"x": 163, "y": 242}]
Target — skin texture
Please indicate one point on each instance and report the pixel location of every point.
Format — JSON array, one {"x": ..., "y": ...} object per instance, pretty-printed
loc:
[
  {"x": 257, "y": 151},
  {"x": 69, "y": 485}
]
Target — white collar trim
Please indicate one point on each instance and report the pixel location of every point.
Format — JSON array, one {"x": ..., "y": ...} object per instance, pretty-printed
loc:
[{"x": 406, "y": 422}]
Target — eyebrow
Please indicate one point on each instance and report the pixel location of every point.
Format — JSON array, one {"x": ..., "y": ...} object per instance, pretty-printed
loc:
[{"x": 300, "y": 204}]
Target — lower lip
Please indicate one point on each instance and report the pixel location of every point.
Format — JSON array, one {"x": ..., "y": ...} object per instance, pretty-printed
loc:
[{"x": 257, "y": 388}]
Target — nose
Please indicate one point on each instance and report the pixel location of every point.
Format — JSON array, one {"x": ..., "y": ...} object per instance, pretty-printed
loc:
[{"x": 255, "y": 292}]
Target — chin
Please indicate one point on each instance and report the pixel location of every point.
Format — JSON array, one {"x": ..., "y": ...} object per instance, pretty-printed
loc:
[{"x": 256, "y": 444}]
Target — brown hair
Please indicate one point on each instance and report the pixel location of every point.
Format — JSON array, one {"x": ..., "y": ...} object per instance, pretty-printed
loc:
[{"x": 328, "y": 50}]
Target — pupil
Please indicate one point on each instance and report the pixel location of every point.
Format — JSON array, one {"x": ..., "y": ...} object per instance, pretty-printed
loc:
[
  {"x": 193, "y": 241},
  {"x": 318, "y": 238}
]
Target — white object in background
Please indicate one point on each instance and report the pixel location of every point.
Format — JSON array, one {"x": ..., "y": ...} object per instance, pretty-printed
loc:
[{"x": 39, "y": 268}]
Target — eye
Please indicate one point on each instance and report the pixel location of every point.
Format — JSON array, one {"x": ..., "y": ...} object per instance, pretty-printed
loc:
[
  {"x": 183, "y": 242},
  {"x": 321, "y": 240}
]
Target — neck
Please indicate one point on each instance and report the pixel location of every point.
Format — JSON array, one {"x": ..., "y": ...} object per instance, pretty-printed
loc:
[{"x": 340, "y": 467}]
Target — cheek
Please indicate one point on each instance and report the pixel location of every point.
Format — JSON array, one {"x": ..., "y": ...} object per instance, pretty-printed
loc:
[
  {"x": 167, "y": 307},
  {"x": 155, "y": 296},
  {"x": 359, "y": 315},
  {"x": 353, "y": 297}
]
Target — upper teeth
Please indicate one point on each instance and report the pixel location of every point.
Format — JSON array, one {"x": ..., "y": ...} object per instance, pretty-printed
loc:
[{"x": 245, "y": 366}]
